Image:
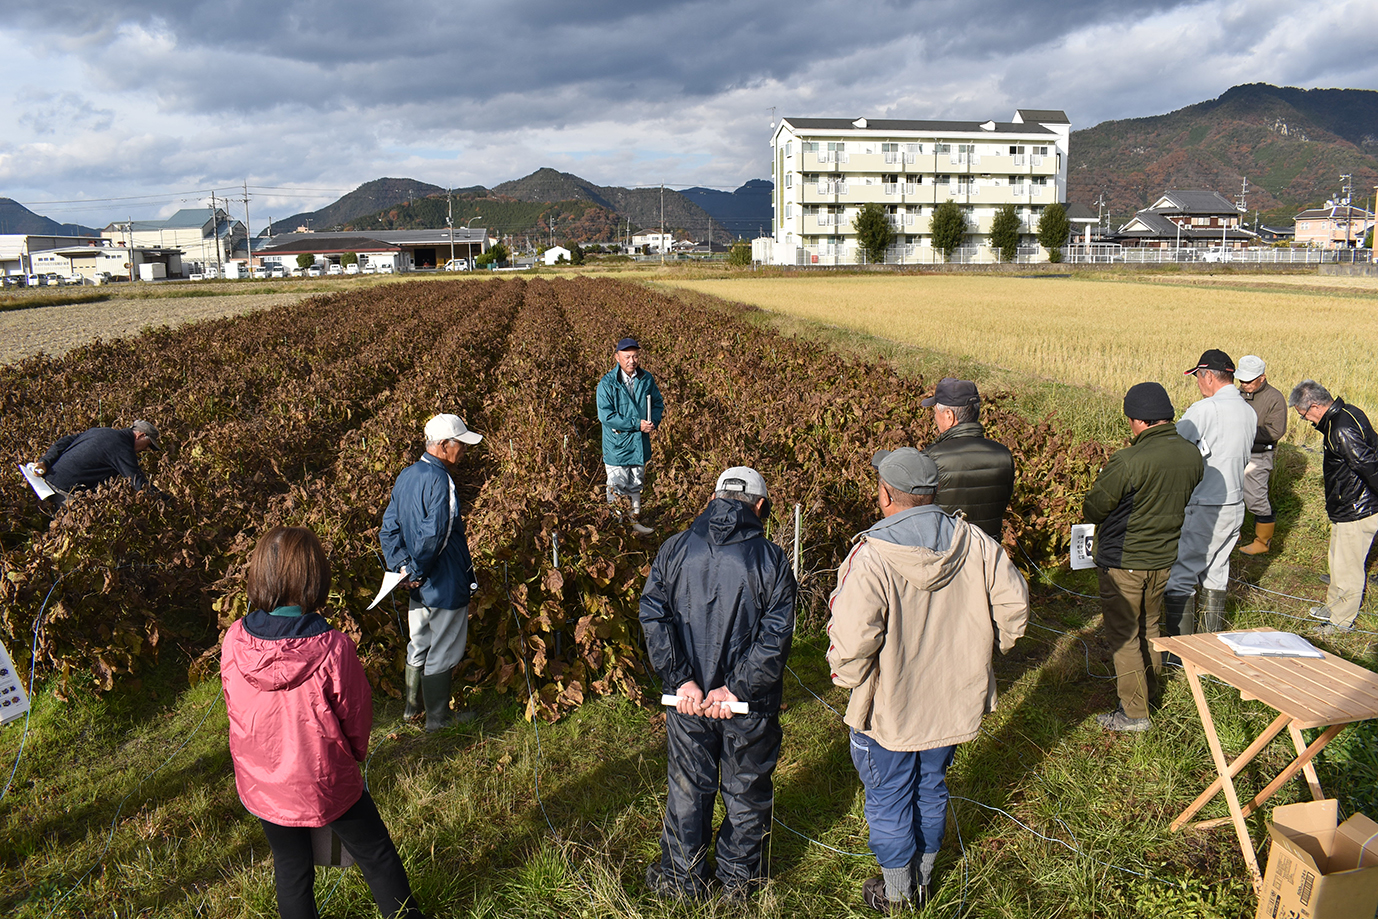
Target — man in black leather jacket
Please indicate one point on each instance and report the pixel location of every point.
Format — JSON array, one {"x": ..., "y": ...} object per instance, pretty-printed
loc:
[
  {"x": 718, "y": 614},
  {"x": 1350, "y": 467},
  {"x": 975, "y": 474}
]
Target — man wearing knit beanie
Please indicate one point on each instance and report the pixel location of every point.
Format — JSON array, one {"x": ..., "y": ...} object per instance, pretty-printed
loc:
[{"x": 1138, "y": 503}]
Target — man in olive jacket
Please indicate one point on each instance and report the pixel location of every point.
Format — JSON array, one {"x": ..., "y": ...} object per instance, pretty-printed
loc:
[
  {"x": 975, "y": 474},
  {"x": 1137, "y": 504},
  {"x": 630, "y": 409},
  {"x": 1271, "y": 408},
  {"x": 921, "y": 602},
  {"x": 718, "y": 615},
  {"x": 1350, "y": 469}
]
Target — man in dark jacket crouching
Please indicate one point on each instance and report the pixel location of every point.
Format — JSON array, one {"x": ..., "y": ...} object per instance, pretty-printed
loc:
[{"x": 718, "y": 613}]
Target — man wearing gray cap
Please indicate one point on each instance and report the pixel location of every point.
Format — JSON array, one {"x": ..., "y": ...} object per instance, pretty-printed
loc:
[
  {"x": 718, "y": 615},
  {"x": 630, "y": 409},
  {"x": 975, "y": 473},
  {"x": 96, "y": 455},
  {"x": 1222, "y": 427},
  {"x": 423, "y": 536},
  {"x": 920, "y": 602},
  {"x": 1271, "y": 410},
  {"x": 1137, "y": 504}
]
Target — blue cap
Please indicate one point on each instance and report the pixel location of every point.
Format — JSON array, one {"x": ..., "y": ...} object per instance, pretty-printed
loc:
[{"x": 627, "y": 344}]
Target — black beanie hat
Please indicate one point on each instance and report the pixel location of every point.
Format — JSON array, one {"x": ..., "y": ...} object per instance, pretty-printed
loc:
[{"x": 1148, "y": 402}]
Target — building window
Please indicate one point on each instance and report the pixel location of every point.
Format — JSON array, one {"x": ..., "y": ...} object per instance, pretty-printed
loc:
[
  {"x": 1036, "y": 155},
  {"x": 892, "y": 153},
  {"x": 789, "y": 180},
  {"x": 789, "y": 210},
  {"x": 789, "y": 148},
  {"x": 942, "y": 149}
]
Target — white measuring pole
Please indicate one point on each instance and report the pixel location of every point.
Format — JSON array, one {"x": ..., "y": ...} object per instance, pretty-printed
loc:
[{"x": 798, "y": 518}]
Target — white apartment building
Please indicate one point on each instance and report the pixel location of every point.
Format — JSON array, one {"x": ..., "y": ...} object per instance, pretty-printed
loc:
[{"x": 825, "y": 169}]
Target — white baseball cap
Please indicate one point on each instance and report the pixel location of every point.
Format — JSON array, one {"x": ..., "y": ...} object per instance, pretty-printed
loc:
[
  {"x": 743, "y": 479},
  {"x": 450, "y": 427},
  {"x": 1250, "y": 368}
]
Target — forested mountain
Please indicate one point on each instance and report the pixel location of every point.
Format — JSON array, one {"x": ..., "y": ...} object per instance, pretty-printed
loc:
[
  {"x": 369, "y": 198},
  {"x": 1291, "y": 144},
  {"x": 642, "y": 206}
]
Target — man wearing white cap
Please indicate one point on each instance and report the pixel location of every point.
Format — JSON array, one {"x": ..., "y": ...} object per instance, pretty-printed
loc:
[
  {"x": 423, "y": 535},
  {"x": 718, "y": 615},
  {"x": 1271, "y": 408}
]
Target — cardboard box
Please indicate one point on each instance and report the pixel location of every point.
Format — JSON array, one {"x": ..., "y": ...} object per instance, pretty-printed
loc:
[{"x": 1319, "y": 868}]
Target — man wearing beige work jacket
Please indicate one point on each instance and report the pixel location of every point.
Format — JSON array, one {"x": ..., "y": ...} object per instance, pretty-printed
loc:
[{"x": 920, "y": 603}]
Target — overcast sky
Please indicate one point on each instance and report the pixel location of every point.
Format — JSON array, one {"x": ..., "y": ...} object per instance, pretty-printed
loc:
[{"x": 307, "y": 99}]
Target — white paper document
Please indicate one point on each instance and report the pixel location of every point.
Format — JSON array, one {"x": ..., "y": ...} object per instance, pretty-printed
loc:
[
  {"x": 390, "y": 580},
  {"x": 736, "y": 708},
  {"x": 39, "y": 484},
  {"x": 1083, "y": 546},
  {"x": 14, "y": 701},
  {"x": 1269, "y": 644}
]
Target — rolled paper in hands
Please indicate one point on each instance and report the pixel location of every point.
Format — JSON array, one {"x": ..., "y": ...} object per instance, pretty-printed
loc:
[{"x": 736, "y": 708}]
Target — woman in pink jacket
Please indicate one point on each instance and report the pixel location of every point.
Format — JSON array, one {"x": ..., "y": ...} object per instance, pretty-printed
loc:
[{"x": 300, "y": 711}]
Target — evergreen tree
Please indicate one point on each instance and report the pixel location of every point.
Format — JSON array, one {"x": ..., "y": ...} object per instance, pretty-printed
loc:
[
  {"x": 739, "y": 256},
  {"x": 948, "y": 226},
  {"x": 873, "y": 231},
  {"x": 1053, "y": 230},
  {"x": 1004, "y": 233}
]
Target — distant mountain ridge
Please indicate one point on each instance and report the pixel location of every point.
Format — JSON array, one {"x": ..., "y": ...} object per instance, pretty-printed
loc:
[
  {"x": 643, "y": 206},
  {"x": 369, "y": 198},
  {"x": 18, "y": 219},
  {"x": 745, "y": 212},
  {"x": 1291, "y": 144}
]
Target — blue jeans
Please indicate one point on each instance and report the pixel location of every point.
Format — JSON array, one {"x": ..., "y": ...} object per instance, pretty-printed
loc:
[{"x": 906, "y": 799}]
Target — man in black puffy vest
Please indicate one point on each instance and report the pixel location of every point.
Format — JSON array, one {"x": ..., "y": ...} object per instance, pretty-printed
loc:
[{"x": 975, "y": 474}]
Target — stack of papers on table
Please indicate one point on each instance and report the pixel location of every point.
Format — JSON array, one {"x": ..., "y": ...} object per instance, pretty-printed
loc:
[{"x": 1269, "y": 644}]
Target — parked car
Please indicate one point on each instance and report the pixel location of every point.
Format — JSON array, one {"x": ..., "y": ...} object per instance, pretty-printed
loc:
[
  {"x": 314, "y": 271},
  {"x": 334, "y": 269},
  {"x": 369, "y": 269},
  {"x": 279, "y": 271},
  {"x": 385, "y": 268},
  {"x": 457, "y": 264},
  {"x": 351, "y": 268},
  {"x": 260, "y": 272}
]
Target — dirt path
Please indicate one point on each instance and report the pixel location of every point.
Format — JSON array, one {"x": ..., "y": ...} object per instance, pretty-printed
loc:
[{"x": 58, "y": 329}]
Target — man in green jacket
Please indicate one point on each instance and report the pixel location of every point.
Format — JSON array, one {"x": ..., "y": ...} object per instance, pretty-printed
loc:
[
  {"x": 630, "y": 409},
  {"x": 1138, "y": 504}
]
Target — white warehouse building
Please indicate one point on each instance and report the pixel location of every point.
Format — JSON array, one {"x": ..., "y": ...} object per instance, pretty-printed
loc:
[{"x": 825, "y": 169}]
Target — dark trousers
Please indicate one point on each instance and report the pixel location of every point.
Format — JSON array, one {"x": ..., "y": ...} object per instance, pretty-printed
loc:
[
  {"x": 363, "y": 833},
  {"x": 1132, "y": 610},
  {"x": 906, "y": 798},
  {"x": 735, "y": 757}
]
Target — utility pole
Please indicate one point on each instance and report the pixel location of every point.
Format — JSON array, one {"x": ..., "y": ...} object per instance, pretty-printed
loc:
[
  {"x": 248, "y": 236},
  {"x": 450, "y": 221},
  {"x": 662, "y": 224},
  {"x": 130, "y": 250},
  {"x": 1348, "y": 188},
  {"x": 215, "y": 233}
]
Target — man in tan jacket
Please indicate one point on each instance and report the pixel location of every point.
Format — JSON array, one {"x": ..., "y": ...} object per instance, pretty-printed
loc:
[{"x": 920, "y": 601}]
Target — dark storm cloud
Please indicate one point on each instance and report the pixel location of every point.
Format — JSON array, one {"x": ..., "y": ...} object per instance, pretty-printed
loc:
[{"x": 258, "y": 55}]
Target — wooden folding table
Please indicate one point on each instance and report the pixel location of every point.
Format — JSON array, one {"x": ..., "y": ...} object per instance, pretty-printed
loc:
[{"x": 1306, "y": 692}]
